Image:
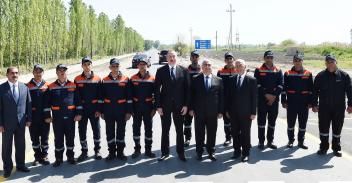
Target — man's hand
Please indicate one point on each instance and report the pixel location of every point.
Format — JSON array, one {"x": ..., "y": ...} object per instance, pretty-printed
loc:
[
  {"x": 97, "y": 114},
  {"x": 252, "y": 117},
  {"x": 160, "y": 111},
  {"x": 152, "y": 114},
  {"x": 270, "y": 99},
  {"x": 191, "y": 113},
  {"x": 128, "y": 116},
  {"x": 2, "y": 130},
  {"x": 227, "y": 115},
  {"x": 315, "y": 109},
  {"x": 28, "y": 123},
  {"x": 77, "y": 118},
  {"x": 349, "y": 110},
  {"x": 220, "y": 116},
  {"x": 309, "y": 106},
  {"x": 284, "y": 105},
  {"x": 48, "y": 120},
  {"x": 184, "y": 110}
]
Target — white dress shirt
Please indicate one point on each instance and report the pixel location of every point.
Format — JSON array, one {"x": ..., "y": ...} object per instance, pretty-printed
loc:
[
  {"x": 209, "y": 80},
  {"x": 174, "y": 70},
  {"x": 241, "y": 77},
  {"x": 16, "y": 93}
]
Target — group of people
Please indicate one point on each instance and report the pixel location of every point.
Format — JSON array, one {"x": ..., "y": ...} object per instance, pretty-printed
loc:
[{"x": 175, "y": 92}]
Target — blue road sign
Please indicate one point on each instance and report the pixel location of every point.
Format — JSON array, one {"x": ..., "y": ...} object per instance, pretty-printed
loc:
[{"x": 202, "y": 44}]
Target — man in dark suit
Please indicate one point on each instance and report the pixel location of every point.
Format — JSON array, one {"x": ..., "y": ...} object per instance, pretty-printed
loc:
[
  {"x": 207, "y": 96},
  {"x": 241, "y": 102},
  {"x": 15, "y": 114},
  {"x": 172, "y": 96}
]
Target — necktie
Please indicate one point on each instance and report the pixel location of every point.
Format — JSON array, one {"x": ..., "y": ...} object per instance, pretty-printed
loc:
[
  {"x": 15, "y": 93},
  {"x": 207, "y": 82},
  {"x": 173, "y": 74},
  {"x": 239, "y": 83}
]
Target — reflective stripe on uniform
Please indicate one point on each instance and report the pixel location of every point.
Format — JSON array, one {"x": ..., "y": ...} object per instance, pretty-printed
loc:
[
  {"x": 69, "y": 148},
  {"x": 336, "y": 136},
  {"x": 146, "y": 138},
  {"x": 120, "y": 141},
  {"x": 302, "y": 130},
  {"x": 291, "y": 129},
  {"x": 60, "y": 149},
  {"x": 136, "y": 137},
  {"x": 324, "y": 134},
  {"x": 111, "y": 141},
  {"x": 261, "y": 126},
  {"x": 190, "y": 126}
]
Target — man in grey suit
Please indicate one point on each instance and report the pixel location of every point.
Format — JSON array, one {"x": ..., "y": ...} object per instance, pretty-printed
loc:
[{"x": 15, "y": 114}]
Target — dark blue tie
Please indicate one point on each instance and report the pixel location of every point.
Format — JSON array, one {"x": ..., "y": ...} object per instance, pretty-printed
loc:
[
  {"x": 207, "y": 82},
  {"x": 239, "y": 83},
  {"x": 172, "y": 74}
]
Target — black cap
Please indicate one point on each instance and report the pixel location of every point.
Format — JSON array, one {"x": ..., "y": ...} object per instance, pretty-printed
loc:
[
  {"x": 61, "y": 66},
  {"x": 143, "y": 59},
  {"x": 195, "y": 53},
  {"x": 229, "y": 54},
  {"x": 114, "y": 61},
  {"x": 38, "y": 66},
  {"x": 298, "y": 56},
  {"x": 268, "y": 53},
  {"x": 330, "y": 57},
  {"x": 86, "y": 59}
]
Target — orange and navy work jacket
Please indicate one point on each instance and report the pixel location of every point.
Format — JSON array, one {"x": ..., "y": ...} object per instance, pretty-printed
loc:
[
  {"x": 193, "y": 71},
  {"x": 117, "y": 95},
  {"x": 298, "y": 86},
  {"x": 39, "y": 94},
  {"x": 63, "y": 101},
  {"x": 225, "y": 73},
  {"x": 143, "y": 92},
  {"x": 90, "y": 92},
  {"x": 269, "y": 81}
]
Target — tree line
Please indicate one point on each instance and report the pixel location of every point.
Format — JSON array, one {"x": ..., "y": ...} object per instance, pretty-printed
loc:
[{"x": 44, "y": 31}]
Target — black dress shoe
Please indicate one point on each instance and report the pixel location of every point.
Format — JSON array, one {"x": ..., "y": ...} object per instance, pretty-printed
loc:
[
  {"x": 182, "y": 157},
  {"x": 72, "y": 161},
  {"x": 302, "y": 146},
  {"x": 245, "y": 158},
  {"x": 121, "y": 157},
  {"x": 337, "y": 154},
  {"x": 57, "y": 163},
  {"x": 97, "y": 156},
  {"x": 322, "y": 152},
  {"x": 261, "y": 146},
  {"x": 149, "y": 154},
  {"x": 44, "y": 161},
  {"x": 212, "y": 157},
  {"x": 136, "y": 154},
  {"x": 82, "y": 157},
  {"x": 271, "y": 145},
  {"x": 289, "y": 145},
  {"x": 187, "y": 142},
  {"x": 199, "y": 157},
  {"x": 7, "y": 174},
  {"x": 22, "y": 169},
  {"x": 163, "y": 157},
  {"x": 236, "y": 155},
  {"x": 227, "y": 142},
  {"x": 110, "y": 157}
]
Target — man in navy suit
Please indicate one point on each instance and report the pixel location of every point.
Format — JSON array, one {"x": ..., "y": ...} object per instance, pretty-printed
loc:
[{"x": 15, "y": 114}]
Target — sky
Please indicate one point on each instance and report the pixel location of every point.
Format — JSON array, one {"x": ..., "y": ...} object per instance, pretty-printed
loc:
[{"x": 256, "y": 21}]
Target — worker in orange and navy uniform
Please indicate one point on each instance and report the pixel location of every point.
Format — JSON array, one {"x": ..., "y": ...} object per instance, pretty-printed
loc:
[
  {"x": 64, "y": 102},
  {"x": 117, "y": 109},
  {"x": 297, "y": 99},
  {"x": 193, "y": 69},
  {"x": 224, "y": 73},
  {"x": 270, "y": 85},
  {"x": 88, "y": 85},
  {"x": 39, "y": 130},
  {"x": 143, "y": 108}
]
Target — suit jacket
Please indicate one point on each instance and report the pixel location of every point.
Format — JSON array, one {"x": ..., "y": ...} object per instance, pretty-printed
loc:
[
  {"x": 241, "y": 102},
  {"x": 208, "y": 102},
  {"x": 12, "y": 114},
  {"x": 168, "y": 91}
]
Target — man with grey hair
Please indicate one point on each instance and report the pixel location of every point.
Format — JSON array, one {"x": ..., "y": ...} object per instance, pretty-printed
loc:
[
  {"x": 207, "y": 107},
  {"x": 241, "y": 104}
]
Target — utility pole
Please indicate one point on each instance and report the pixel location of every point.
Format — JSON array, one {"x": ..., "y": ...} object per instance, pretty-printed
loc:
[
  {"x": 216, "y": 41},
  {"x": 230, "y": 34},
  {"x": 190, "y": 46},
  {"x": 351, "y": 36},
  {"x": 238, "y": 40}
]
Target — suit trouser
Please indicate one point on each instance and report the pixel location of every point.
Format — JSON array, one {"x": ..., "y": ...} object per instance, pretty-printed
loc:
[
  {"x": 82, "y": 127},
  {"x": 148, "y": 129},
  {"x": 115, "y": 132},
  {"x": 64, "y": 129},
  {"x": 20, "y": 146},
  {"x": 294, "y": 110},
  {"x": 39, "y": 132},
  {"x": 267, "y": 112},
  {"x": 188, "y": 126},
  {"x": 209, "y": 125},
  {"x": 227, "y": 127},
  {"x": 241, "y": 134},
  {"x": 333, "y": 115},
  {"x": 166, "y": 124}
]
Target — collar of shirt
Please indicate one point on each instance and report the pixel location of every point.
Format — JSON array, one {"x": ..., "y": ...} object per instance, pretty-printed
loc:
[
  {"x": 37, "y": 83},
  {"x": 205, "y": 77},
  {"x": 62, "y": 84},
  {"x": 170, "y": 66},
  {"x": 11, "y": 84},
  {"x": 88, "y": 76}
]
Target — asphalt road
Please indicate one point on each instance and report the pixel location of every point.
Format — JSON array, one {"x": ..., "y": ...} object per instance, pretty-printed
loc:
[{"x": 282, "y": 165}]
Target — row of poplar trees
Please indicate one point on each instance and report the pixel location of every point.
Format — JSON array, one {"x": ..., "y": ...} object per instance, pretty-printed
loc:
[{"x": 44, "y": 31}]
